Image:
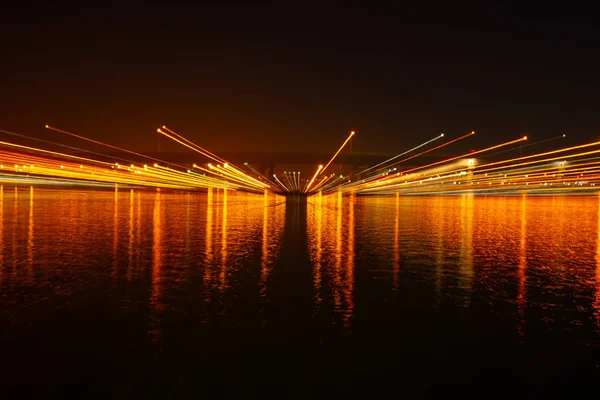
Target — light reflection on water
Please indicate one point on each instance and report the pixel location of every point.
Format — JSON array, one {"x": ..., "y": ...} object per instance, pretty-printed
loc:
[
  {"x": 159, "y": 270},
  {"x": 527, "y": 258},
  {"x": 330, "y": 228}
]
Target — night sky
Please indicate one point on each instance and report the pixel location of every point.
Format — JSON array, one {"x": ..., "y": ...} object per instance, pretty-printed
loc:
[{"x": 297, "y": 78}]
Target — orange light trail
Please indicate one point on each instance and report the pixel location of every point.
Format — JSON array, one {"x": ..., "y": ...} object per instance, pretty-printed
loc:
[
  {"x": 411, "y": 150},
  {"x": 433, "y": 148},
  {"x": 313, "y": 178},
  {"x": 210, "y": 155},
  {"x": 470, "y": 155},
  {"x": 337, "y": 152},
  {"x": 233, "y": 172},
  {"x": 322, "y": 185},
  {"x": 45, "y": 166},
  {"x": 190, "y": 145},
  {"x": 108, "y": 145},
  {"x": 281, "y": 183},
  {"x": 572, "y": 169},
  {"x": 534, "y": 177}
]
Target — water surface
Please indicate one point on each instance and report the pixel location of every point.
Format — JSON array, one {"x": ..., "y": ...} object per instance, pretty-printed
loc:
[{"x": 142, "y": 292}]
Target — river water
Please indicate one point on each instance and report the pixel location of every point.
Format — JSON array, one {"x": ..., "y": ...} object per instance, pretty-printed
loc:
[{"x": 106, "y": 293}]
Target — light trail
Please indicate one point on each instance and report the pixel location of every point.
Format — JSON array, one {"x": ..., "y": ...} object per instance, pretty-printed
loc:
[
  {"x": 313, "y": 178},
  {"x": 470, "y": 155},
  {"x": 324, "y": 186},
  {"x": 46, "y": 166},
  {"x": 320, "y": 183},
  {"x": 378, "y": 174},
  {"x": 259, "y": 174},
  {"x": 232, "y": 173},
  {"x": 220, "y": 172},
  {"x": 535, "y": 175},
  {"x": 188, "y": 143},
  {"x": 401, "y": 154},
  {"x": 530, "y": 144},
  {"x": 65, "y": 146},
  {"x": 287, "y": 178},
  {"x": 434, "y": 148},
  {"x": 337, "y": 152},
  {"x": 582, "y": 146},
  {"x": 208, "y": 153},
  {"x": 566, "y": 170},
  {"x": 109, "y": 145},
  {"x": 294, "y": 182},
  {"x": 281, "y": 183}
]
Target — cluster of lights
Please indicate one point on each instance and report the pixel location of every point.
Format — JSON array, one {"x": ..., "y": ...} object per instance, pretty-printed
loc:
[
  {"x": 573, "y": 168},
  {"x": 569, "y": 168},
  {"x": 25, "y": 164}
]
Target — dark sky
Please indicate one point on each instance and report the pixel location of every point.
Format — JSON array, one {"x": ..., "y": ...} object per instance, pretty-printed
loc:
[{"x": 292, "y": 77}]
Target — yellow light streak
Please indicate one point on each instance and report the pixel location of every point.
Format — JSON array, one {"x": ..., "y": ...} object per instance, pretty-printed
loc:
[
  {"x": 313, "y": 178},
  {"x": 337, "y": 152}
]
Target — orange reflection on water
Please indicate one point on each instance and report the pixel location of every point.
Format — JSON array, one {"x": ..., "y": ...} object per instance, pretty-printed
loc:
[
  {"x": 207, "y": 276},
  {"x": 115, "y": 230},
  {"x": 396, "y": 245},
  {"x": 139, "y": 224},
  {"x": 223, "y": 272},
  {"x": 209, "y": 227},
  {"x": 130, "y": 248},
  {"x": 264, "y": 267},
  {"x": 561, "y": 236},
  {"x": 156, "y": 242},
  {"x": 533, "y": 258},
  {"x": 348, "y": 286},
  {"x": 30, "y": 233},
  {"x": 273, "y": 221},
  {"x": 337, "y": 281},
  {"x": 317, "y": 227},
  {"x": 156, "y": 286},
  {"x": 14, "y": 235},
  {"x": 236, "y": 224},
  {"x": 522, "y": 269},
  {"x": 439, "y": 220},
  {"x": 466, "y": 248},
  {"x": 331, "y": 240},
  {"x": 187, "y": 226},
  {"x": 597, "y": 293},
  {"x": 1, "y": 229}
]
